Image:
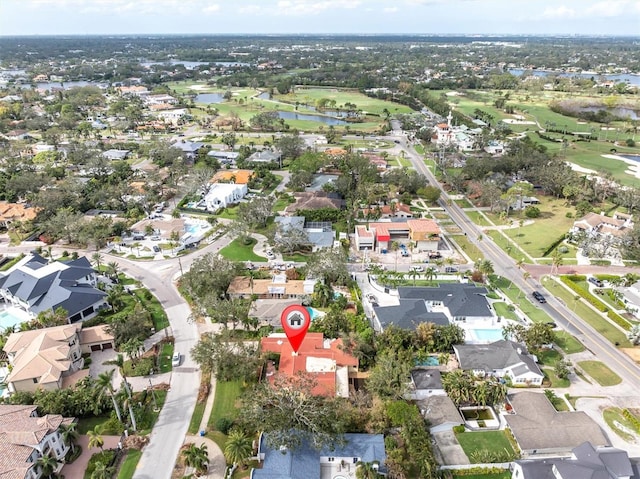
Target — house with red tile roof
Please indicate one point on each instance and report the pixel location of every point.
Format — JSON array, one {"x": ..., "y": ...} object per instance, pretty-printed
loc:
[
  {"x": 424, "y": 234},
  {"x": 332, "y": 368},
  {"x": 25, "y": 437}
]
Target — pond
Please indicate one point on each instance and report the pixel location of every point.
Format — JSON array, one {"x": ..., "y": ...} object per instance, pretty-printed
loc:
[
  {"x": 631, "y": 79},
  {"x": 192, "y": 65},
  {"x": 620, "y": 112},
  {"x": 327, "y": 120},
  {"x": 209, "y": 98}
]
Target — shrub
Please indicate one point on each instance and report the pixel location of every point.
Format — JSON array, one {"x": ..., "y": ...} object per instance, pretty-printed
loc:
[
  {"x": 459, "y": 429},
  {"x": 629, "y": 416},
  {"x": 569, "y": 214},
  {"x": 554, "y": 245},
  {"x": 223, "y": 424},
  {"x": 563, "y": 249},
  {"x": 569, "y": 281},
  {"x": 619, "y": 320},
  {"x": 532, "y": 212},
  {"x": 105, "y": 457}
]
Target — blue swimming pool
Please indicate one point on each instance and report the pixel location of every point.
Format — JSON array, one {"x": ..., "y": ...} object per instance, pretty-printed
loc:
[
  {"x": 8, "y": 319},
  {"x": 485, "y": 335},
  {"x": 428, "y": 361}
]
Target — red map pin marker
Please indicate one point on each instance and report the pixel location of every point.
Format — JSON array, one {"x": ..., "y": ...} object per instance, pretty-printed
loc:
[{"x": 295, "y": 320}]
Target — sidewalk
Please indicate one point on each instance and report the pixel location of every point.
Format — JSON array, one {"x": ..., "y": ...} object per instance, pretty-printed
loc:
[{"x": 217, "y": 462}]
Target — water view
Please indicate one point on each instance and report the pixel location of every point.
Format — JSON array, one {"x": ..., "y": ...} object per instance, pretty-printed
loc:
[
  {"x": 209, "y": 98},
  {"x": 619, "y": 112},
  {"x": 631, "y": 79},
  {"x": 192, "y": 65},
  {"x": 327, "y": 120}
]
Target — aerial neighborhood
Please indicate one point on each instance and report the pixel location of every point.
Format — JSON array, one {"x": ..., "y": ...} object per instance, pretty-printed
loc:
[{"x": 452, "y": 221}]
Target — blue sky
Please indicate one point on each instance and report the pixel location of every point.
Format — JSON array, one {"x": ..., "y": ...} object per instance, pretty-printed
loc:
[{"x": 596, "y": 17}]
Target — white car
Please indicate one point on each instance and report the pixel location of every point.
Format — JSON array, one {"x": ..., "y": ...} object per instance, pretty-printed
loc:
[{"x": 175, "y": 360}]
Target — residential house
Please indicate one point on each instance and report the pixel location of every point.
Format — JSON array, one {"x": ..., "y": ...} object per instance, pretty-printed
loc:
[
  {"x": 325, "y": 360},
  {"x": 461, "y": 137},
  {"x": 278, "y": 287},
  {"x": 585, "y": 462},
  {"x": 423, "y": 234},
  {"x": 96, "y": 338},
  {"x": 25, "y": 438},
  {"x": 392, "y": 210},
  {"x": 189, "y": 148},
  {"x": 495, "y": 148},
  {"x": 221, "y": 195},
  {"x": 136, "y": 90},
  {"x": 445, "y": 304},
  {"x": 596, "y": 225},
  {"x": 265, "y": 156},
  {"x": 44, "y": 358},
  {"x": 307, "y": 462},
  {"x": 116, "y": 155},
  {"x": 314, "y": 200},
  {"x": 15, "y": 135},
  {"x": 35, "y": 285},
  {"x": 172, "y": 115},
  {"x": 502, "y": 359},
  {"x": 239, "y": 177},
  {"x": 224, "y": 157},
  {"x": 11, "y": 212},
  {"x": 434, "y": 403},
  {"x": 539, "y": 429},
  {"x": 318, "y": 234},
  {"x": 631, "y": 298}
]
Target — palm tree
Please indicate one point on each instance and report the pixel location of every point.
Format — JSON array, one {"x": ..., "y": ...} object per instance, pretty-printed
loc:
[
  {"x": 414, "y": 274},
  {"x": 48, "y": 465},
  {"x": 119, "y": 361},
  {"x": 69, "y": 435},
  {"x": 323, "y": 293},
  {"x": 431, "y": 273},
  {"x": 97, "y": 259},
  {"x": 113, "y": 269},
  {"x": 556, "y": 260},
  {"x": 367, "y": 470},
  {"x": 128, "y": 403},
  {"x": 238, "y": 448},
  {"x": 101, "y": 471},
  {"x": 133, "y": 348},
  {"x": 395, "y": 246},
  {"x": 196, "y": 457},
  {"x": 114, "y": 297},
  {"x": 105, "y": 383},
  {"x": 95, "y": 439}
]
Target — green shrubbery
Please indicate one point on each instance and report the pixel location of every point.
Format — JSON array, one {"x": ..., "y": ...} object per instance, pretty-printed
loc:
[
  {"x": 596, "y": 303},
  {"x": 629, "y": 416}
]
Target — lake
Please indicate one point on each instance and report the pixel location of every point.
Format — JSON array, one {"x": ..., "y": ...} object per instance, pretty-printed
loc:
[
  {"x": 631, "y": 79},
  {"x": 209, "y": 98},
  {"x": 620, "y": 112},
  {"x": 327, "y": 120},
  {"x": 193, "y": 65},
  {"x": 630, "y": 157}
]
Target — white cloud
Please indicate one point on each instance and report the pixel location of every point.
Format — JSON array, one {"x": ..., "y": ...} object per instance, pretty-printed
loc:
[
  {"x": 209, "y": 9},
  {"x": 390, "y": 9},
  {"x": 312, "y": 7},
  {"x": 560, "y": 12}
]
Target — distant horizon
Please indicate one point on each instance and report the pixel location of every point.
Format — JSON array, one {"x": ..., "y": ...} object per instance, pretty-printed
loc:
[
  {"x": 320, "y": 17},
  {"x": 329, "y": 34}
]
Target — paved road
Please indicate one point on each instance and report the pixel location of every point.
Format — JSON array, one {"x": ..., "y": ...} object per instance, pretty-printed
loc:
[{"x": 505, "y": 266}]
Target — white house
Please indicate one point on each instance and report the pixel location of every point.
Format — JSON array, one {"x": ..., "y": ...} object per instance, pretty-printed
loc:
[{"x": 221, "y": 195}]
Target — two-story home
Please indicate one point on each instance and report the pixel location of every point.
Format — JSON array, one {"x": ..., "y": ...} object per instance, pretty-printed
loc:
[
  {"x": 596, "y": 225},
  {"x": 35, "y": 285},
  {"x": 25, "y": 437},
  {"x": 423, "y": 234}
]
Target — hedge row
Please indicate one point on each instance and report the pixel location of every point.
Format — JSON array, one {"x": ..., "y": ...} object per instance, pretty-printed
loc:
[
  {"x": 632, "y": 419},
  {"x": 619, "y": 320},
  {"x": 554, "y": 245},
  {"x": 599, "y": 305},
  {"x": 478, "y": 471},
  {"x": 607, "y": 277}
]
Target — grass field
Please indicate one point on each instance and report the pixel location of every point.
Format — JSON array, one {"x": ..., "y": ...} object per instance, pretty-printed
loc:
[
  {"x": 128, "y": 466},
  {"x": 165, "y": 357},
  {"x": 224, "y": 405},
  {"x": 495, "y": 475},
  {"x": 533, "y": 312},
  {"x": 478, "y": 218},
  {"x": 613, "y": 416},
  {"x": 508, "y": 246},
  {"x": 600, "y": 324},
  {"x": 492, "y": 441},
  {"x": 467, "y": 246},
  {"x": 503, "y": 310},
  {"x": 237, "y": 251},
  {"x": 555, "y": 382},
  {"x": 600, "y": 373},
  {"x": 196, "y": 418},
  {"x": 568, "y": 343}
]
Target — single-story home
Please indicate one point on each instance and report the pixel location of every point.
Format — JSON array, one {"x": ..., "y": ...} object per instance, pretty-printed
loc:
[
  {"x": 539, "y": 429},
  {"x": 317, "y": 234},
  {"x": 307, "y": 462},
  {"x": 423, "y": 233},
  {"x": 264, "y": 156},
  {"x": 116, "y": 155},
  {"x": 224, "y": 157},
  {"x": 11, "y": 212},
  {"x": 278, "y": 287},
  {"x": 502, "y": 359},
  {"x": 239, "y": 177}
]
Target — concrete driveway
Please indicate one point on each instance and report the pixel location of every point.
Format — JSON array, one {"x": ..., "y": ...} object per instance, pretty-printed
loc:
[{"x": 449, "y": 449}]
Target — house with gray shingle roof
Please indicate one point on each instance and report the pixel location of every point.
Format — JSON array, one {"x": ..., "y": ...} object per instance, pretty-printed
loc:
[
  {"x": 500, "y": 359},
  {"x": 586, "y": 462},
  {"x": 25, "y": 437},
  {"x": 445, "y": 304},
  {"x": 36, "y": 285},
  {"x": 539, "y": 429},
  {"x": 306, "y": 462}
]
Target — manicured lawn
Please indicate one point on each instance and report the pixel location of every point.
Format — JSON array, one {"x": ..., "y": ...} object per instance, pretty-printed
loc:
[
  {"x": 614, "y": 415},
  {"x": 296, "y": 257},
  {"x": 549, "y": 357},
  {"x": 165, "y": 357},
  {"x": 600, "y": 373},
  {"x": 128, "y": 467},
  {"x": 478, "y": 218},
  {"x": 502, "y": 309},
  {"x": 280, "y": 204},
  {"x": 568, "y": 343},
  {"x": 467, "y": 246},
  {"x": 508, "y": 246},
  {"x": 555, "y": 382},
  {"x": 496, "y": 475},
  {"x": 463, "y": 203},
  {"x": 493, "y": 441},
  {"x": 86, "y": 424},
  {"x": 237, "y": 251},
  {"x": 196, "y": 419},
  {"x": 559, "y": 403},
  {"x": 534, "y": 313},
  {"x": 150, "y": 416},
  {"x": 595, "y": 320},
  {"x": 227, "y": 394},
  {"x": 230, "y": 213},
  {"x": 151, "y": 304}
]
